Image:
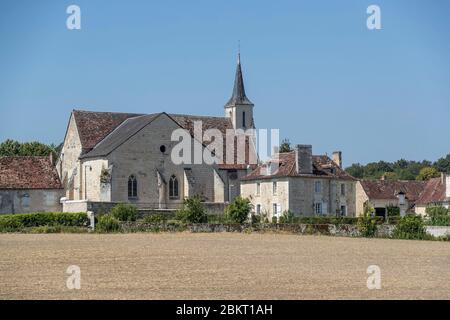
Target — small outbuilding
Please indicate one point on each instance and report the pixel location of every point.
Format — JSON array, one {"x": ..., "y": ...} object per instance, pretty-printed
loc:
[{"x": 29, "y": 184}]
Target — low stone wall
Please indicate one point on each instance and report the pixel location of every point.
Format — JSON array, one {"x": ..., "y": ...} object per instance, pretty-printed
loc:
[
  {"x": 343, "y": 230},
  {"x": 436, "y": 231}
]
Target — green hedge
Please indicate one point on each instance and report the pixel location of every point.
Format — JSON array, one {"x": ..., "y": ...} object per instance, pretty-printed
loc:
[{"x": 16, "y": 222}]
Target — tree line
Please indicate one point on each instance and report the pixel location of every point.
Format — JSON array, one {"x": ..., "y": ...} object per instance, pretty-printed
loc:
[
  {"x": 399, "y": 170},
  {"x": 13, "y": 148}
]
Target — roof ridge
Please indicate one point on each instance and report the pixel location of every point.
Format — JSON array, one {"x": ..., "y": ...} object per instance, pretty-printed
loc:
[{"x": 117, "y": 112}]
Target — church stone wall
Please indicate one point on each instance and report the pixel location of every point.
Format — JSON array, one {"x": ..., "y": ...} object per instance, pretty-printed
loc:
[
  {"x": 141, "y": 156},
  {"x": 68, "y": 160},
  {"x": 91, "y": 171}
]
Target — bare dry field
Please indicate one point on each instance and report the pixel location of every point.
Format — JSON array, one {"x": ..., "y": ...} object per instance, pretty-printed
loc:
[{"x": 220, "y": 266}]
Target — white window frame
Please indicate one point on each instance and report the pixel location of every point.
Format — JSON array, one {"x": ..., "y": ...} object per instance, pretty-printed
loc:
[{"x": 274, "y": 188}]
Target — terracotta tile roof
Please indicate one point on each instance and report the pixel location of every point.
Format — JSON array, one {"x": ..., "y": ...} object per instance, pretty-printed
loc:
[
  {"x": 95, "y": 126},
  {"x": 323, "y": 167},
  {"x": 389, "y": 189},
  {"x": 434, "y": 192},
  {"x": 28, "y": 173}
]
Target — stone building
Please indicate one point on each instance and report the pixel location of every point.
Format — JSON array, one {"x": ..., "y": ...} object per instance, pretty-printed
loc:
[
  {"x": 303, "y": 183},
  {"x": 112, "y": 157},
  {"x": 29, "y": 184},
  {"x": 382, "y": 194},
  {"x": 435, "y": 193}
]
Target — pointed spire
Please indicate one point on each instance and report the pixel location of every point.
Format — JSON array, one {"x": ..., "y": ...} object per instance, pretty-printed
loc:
[{"x": 238, "y": 96}]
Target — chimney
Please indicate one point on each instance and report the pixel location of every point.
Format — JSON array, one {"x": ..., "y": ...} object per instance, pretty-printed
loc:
[
  {"x": 442, "y": 177},
  {"x": 304, "y": 162},
  {"x": 337, "y": 158}
]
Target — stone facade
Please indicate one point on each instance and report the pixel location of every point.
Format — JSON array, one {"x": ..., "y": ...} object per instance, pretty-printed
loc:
[
  {"x": 23, "y": 200},
  {"x": 299, "y": 195},
  {"x": 303, "y": 184}
]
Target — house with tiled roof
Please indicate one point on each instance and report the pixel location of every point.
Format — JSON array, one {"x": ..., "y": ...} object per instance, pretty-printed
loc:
[
  {"x": 382, "y": 194},
  {"x": 110, "y": 157},
  {"x": 29, "y": 184},
  {"x": 435, "y": 193},
  {"x": 408, "y": 196},
  {"x": 302, "y": 183}
]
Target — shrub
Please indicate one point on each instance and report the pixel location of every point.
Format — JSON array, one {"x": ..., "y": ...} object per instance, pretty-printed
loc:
[
  {"x": 124, "y": 212},
  {"x": 410, "y": 227},
  {"x": 438, "y": 216},
  {"x": 393, "y": 211},
  {"x": 217, "y": 218},
  {"x": 256, "y": 219},
  {"x": 239, "y": 210},
  {"x": 367, "y": 225},
  {"x": 155, "y": 218},
  {"x": 107, "y": 223},
  {"x": 193, "y": 211},
  {"x": 287, "y": 217},
  {"x": 16, "y": 222},
  {"x": 274, "y": 219}
]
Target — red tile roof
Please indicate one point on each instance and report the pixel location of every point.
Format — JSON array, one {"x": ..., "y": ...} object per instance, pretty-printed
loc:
[
  {"x": 93, "y": 127},
  {"x": 323, "y": 167},
  {"x": 389, "y": 189},
  {"x": 28, "y": 173},
  {"x": 434, "y": 192}
]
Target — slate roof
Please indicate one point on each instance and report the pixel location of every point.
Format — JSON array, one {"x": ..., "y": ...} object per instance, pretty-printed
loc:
[
  {"x": 323, "y": 167},
  {"x": 434, "y": 192},
  {"x": 389, "y": 189},
  {"x": 238, "y": 96},
  {"x": 119, "y": 135},
  {"x": 28, "y": 173}
]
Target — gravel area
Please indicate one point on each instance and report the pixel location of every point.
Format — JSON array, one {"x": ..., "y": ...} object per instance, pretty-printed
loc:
[{"x": 220, "y": 266}]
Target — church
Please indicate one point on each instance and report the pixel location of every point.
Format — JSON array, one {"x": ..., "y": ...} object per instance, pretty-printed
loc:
[{"x": 110, "y": 157}]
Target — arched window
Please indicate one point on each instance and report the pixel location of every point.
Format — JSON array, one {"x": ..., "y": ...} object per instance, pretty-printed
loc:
[
  {"x": 132, "y": 187},
  {"x": 173, "y": 188}
]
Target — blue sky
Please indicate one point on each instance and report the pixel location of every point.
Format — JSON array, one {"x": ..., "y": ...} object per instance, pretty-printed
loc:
[{"x": 312, "y": 68}]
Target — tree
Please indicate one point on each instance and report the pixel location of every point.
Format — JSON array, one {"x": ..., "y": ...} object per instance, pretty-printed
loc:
[
  {"x": 356, "y": 170},
  {"x": 285, "y": 146},
  {"x": 238, "y": 211},
  {"x": 390, "y": 176},
  {"x": 9, "y": 148},
  {"x": 443, "y": 164},
  {"x": 12, "y": 148},
  {"x": 427, "y": 173},
  {"x": 193, "y": 211}
]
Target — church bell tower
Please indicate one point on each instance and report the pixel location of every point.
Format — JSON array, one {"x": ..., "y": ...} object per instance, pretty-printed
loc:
[{"x": 239, "y": 108}]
